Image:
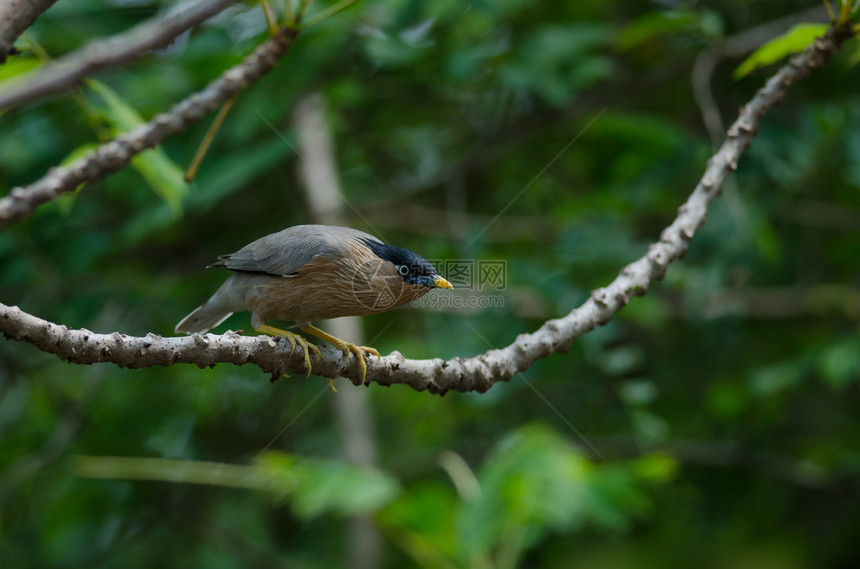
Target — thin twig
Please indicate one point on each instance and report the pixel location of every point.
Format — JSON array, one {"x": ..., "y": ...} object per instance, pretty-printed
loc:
[
  {"x": 191, "y": 173},
  {"x": 328, "y": 13},
  {"x": 68, "y": 71},
  {"x": 271, "y": 20},
  {"x": 829, "y": 10}
]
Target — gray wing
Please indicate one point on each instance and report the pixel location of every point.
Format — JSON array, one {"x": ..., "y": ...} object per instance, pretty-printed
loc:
[{"x": 285, "y": 252}]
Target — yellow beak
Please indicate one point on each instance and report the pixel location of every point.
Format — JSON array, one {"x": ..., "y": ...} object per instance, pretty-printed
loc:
[{"x": 441, "y": 283}]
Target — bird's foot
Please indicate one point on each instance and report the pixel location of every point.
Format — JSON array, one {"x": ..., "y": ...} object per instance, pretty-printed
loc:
[
  {"x": 360, "y": 352},
  {"x": 345, "y": 347},
  {"x": 294, "y": 340}
]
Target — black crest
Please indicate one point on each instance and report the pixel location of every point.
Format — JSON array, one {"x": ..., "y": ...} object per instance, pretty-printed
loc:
[{"x": 417, "y": 265}]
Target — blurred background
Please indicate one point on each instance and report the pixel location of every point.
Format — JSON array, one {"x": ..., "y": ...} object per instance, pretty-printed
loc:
[{"x": 714, "y": 419}]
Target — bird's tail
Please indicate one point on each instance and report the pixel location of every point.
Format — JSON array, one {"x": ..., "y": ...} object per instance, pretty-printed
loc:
[
  {"x": 204, "y": 318},
  {"x": 231, "y": 297}
]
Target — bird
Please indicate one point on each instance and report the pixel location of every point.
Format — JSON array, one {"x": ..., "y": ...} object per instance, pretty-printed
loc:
[{"x": 307, "y": 273}]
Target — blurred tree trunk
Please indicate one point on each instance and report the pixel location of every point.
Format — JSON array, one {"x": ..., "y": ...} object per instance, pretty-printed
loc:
[{"x": 319, "y": 179}]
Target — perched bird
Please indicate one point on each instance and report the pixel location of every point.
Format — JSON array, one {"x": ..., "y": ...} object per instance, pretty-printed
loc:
[{"x": 314, "y": 272}]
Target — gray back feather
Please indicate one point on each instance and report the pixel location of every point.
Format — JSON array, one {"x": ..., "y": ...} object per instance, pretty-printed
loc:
[{"x": 285, "y": 252}]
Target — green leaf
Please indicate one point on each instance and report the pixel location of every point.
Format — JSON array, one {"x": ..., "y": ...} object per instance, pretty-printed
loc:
[
  {"x": 613, "y": 497},
  {"x": 651, "y": 26},
  {"x": 214, "y": 183},
  {"x": 423, "y": 522},
  {"x": 18, "y": 65},
  {"x": 314, "y": 486},
  {"x": 317, "y": 487},
  {"x": 840, "y": 364},
  {"x": 727, "y": 400},
  {"x": 536, "y": 480},
  {"x": 67, "y": 199},
  {"x": 160, "y": 172},
  {"x": 777, "y": 378},
  {"x": 556, "y": 61},
  {"x": 656, "y": 467},
  {"x": 648, "y": 427},
  {"x": 855, "y": 55},
  {"x": 793, "y": 41},
  {"x": 163, "y": 176}
]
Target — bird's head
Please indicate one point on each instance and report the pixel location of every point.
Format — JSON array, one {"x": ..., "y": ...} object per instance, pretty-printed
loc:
[{"x": 409, "y": 266}]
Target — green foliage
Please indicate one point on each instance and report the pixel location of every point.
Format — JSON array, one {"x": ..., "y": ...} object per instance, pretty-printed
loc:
[
  {"x": 532, "y": 484},
  {"x": 570, "y": 61},
  {"x": 160, "y": 173},
  {"x": 793, "y": 41},
  {"x": 17, "y": 66},
  {"x": 558, "y": 137},
  {"x": 312, "y": 487},
  {"x": 318, "y": 487},
  {"x": 537, "y": 482}
]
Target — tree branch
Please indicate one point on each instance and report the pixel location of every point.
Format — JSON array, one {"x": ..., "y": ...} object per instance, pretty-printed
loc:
[
  {"x": 68, "y": 71},
  {"x": 118, "y": 153},
  {"x": 478, "y": 373},
  {"x": 15, "y": 17},
  {"x": 86, "y": 347},
  {"x": 735, "y": 46}
]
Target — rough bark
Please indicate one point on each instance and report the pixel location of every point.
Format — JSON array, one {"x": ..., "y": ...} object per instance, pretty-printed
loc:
[{"x": 15, "y": 17}]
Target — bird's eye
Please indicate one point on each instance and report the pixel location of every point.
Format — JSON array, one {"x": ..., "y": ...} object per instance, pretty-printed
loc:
[{"x": 403, "y": 270}]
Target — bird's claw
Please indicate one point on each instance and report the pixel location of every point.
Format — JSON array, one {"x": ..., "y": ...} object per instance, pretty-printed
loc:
[
  {"x": 294, "y": 340},
  {"x": 346, "y": 348},
  {"x": 360, "y": 352}
]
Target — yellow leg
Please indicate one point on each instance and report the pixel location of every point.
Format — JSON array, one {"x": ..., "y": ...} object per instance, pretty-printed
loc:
[
  {"x": 294, "y": 340},
  {"x": 345, "y": 347}
]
